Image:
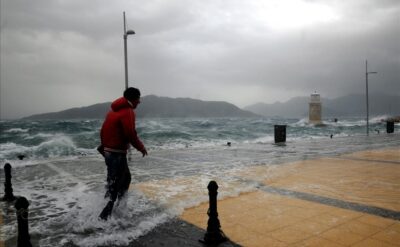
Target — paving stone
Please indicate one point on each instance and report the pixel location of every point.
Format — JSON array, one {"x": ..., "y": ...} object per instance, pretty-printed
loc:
[
  {"x": 341, "y": 236},
  {"x": 372, "y": 243}
]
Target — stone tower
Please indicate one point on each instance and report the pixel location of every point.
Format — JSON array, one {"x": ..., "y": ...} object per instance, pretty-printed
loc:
[{"x": 315, "y": 109}]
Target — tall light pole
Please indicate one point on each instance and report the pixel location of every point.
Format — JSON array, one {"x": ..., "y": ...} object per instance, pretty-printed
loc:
[
  {"x": 366, "y": 84},
  {"x": 126, "y": 33}
]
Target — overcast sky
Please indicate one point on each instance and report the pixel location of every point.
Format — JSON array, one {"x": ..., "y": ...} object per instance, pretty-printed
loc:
[{"x": 58, "y": 54}]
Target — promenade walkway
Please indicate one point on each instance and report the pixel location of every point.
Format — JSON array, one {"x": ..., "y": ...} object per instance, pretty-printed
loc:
[{"x": 350, "y": 200}]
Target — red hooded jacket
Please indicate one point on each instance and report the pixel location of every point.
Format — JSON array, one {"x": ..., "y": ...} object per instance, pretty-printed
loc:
[{"x": 119, "y": 130}]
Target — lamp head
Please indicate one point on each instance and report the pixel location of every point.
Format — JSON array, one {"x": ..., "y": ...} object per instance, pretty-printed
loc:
[{"x": 130, "y": 32}]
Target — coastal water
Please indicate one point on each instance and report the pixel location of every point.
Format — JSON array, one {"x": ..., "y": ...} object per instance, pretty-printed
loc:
[
  {"x": 55, "y": 139},
  {"x": 63, "y": 177}
]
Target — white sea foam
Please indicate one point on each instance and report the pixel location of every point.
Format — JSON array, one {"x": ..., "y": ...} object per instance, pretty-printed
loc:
[
  {"x": 57, "y": 145},
  {"x": 10, "y": 148},
  {"x": 351, "y": 123},
  {"x": 159, "y": 125},
  {"x": 128, "y": 221},
  {"x": 262, "y": 140},
  {"x": 16, "y": 130},
  {"x": 38, "y": 135},
  {"x": 379, "y": 119},
  {"x": 189, "y": 144},
  {"x": 301, "y": 123}
]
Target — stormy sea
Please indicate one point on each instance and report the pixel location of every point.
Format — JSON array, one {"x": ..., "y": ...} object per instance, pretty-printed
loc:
[{"x": 55, "y": 165}]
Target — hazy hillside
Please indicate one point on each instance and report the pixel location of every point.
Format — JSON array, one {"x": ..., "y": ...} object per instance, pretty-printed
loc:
[
  {"x": 351, "y": 105},
  {"x": 91, "y": 112},
  {"x": 379, "y": 104},
  {"x": 154, "y": 106}
]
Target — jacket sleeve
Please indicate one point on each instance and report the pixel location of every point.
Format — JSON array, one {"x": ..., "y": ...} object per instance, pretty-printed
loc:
[{"x": 129, "y": 126}]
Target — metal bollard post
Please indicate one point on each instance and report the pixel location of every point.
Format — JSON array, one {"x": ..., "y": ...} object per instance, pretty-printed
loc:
[
  {"x": 21, "y": 205},
  {"x": 8, "y": 191},
  {"x": 389, "y": 127},
  {"x": 280, "y": 133},
  {"x": 214, "y": 234}
]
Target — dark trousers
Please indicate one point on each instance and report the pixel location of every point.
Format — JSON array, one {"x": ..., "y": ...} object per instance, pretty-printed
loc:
[{"x": 118, "y": 175}]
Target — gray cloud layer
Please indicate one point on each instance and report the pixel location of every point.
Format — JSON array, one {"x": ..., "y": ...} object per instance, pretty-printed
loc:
[{"x": 59, "y": 54}]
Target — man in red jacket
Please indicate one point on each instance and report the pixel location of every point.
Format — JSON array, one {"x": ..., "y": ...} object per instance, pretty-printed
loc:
[{"x": 117, "y": 133}]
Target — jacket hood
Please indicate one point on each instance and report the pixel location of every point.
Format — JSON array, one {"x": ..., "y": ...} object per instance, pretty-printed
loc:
[{"x": 120, "y": 103}]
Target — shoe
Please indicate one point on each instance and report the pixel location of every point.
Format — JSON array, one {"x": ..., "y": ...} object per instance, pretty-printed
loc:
[{"x": 106, "y": 211}]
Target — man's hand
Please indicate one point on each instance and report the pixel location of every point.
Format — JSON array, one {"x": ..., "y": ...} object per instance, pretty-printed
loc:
[{"x": 144, "y": 152}]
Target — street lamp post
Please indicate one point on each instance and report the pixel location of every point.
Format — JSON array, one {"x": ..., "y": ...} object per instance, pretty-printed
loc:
[
  {"x": 126, "y": 33},
  {"x": 366, "y": 84}
]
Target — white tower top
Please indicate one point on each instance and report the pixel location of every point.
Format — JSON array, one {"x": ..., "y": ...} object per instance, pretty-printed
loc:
[{"x": 315, "y": 98}]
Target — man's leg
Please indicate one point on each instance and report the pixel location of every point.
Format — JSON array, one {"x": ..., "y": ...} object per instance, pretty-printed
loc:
[
  {"x": 125, "y": 181},
  {"x": 113, "y": 162}
]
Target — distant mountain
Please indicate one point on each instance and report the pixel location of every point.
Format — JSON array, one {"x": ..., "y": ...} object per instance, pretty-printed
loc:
[
  {"x": 351, "y": 105},
  {"x": 295, "y": 107},
  {"x": 89, "y": 112},
  {"x": 154, "y": 106}
]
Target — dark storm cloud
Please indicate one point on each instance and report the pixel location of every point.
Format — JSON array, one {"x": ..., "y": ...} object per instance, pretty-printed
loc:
[{"x": 70, "y": 53}]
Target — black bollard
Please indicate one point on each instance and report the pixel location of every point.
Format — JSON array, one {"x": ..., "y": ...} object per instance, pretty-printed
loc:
[
  {"x": 8, "y": 191},
  {"x": 214, "y": 234},
  {"x": 280, "y": 133},
  {"x": 389, "y": 127},
  {"x": 21, "y": 205}
]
